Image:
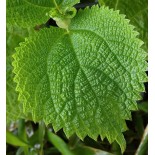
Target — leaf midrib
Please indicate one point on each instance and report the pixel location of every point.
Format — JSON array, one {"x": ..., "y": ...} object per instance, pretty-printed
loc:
[{"x": 74, "y": 30}]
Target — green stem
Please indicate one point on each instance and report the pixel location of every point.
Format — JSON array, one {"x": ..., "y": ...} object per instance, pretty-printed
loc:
[
  {"x": 41, "y": 136},
  {"x": 142, "y": 149},
  {"x": 116, "y": 4},
  {"x": 22, "y": 134},
  {"x": 59, "y": 143},
  {"x": 57, "y": 7}
]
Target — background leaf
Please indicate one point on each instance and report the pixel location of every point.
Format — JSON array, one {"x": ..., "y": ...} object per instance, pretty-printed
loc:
[
  {"x": 59, "y": 143},
  {"x": 27, "y": 13},
  {"x": 14, "y": 140},
  {"x": 67, "y": 3},
  {"x": 89, "y": 151}
]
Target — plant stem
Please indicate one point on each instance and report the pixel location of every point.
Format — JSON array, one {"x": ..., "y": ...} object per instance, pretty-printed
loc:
[
  {"x": 55, "y": 3},
  {"x": 59, "y": 143},
  {"x": 22, "y": 134},
  {"x": 41, "y": 136},
  {"x": 142, "y": 149},
  {"x": 117, "y": 1}
]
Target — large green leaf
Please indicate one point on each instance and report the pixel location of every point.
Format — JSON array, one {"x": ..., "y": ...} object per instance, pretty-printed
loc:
[
  {"x": 136, "y": 11},
  {"x": 13, "y": 108},
  {"x": 85, "y": 80}
]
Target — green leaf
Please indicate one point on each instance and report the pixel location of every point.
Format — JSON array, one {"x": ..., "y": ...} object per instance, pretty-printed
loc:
[
  {"x": 27, "y": 13},
  {"x": 101, "y": 2},
  {"x": 22, "y": 134},
  {"x": 63, "y": 12},
  {"x": 41, "y": 135},
  {"x": 13, "y": 108},
  {"x": 59, "y": 143},
  {"x": 14, "y": 140},
  {"x": 136, "y": 11},
  {"x": 22, "y": 130},
  {"x": 20, "y": 151},
  {"x": 66, "y": 3},
  {"x": 34, "y": 139},
  {"x": 85, "y": 80}
]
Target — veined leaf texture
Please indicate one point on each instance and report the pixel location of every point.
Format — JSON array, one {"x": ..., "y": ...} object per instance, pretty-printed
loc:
[
  {"x": 29, "y": 13},
  {"x": 85, "y": 80},
  {"x": 137, "y": 12}
]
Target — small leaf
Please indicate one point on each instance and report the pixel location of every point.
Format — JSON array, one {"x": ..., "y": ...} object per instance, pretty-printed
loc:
[
  {"x": 14, "y": 140},
  {"x": 59, "y": 143},
  {"x": 63, "y": 12},
  {"x": 85, "y": 80}
]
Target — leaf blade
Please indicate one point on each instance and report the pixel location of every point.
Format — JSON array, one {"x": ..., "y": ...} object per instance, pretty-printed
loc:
[
  {"x": 76, "y": 79},
  {"x": 59, "y": 143},
  {"x": 27, "y": 13},
  {"x": 14, "y": 140}
]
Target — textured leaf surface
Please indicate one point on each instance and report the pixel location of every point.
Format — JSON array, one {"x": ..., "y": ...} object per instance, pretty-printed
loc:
[
  {"x": 86, "y": 80},
  {"x": 13, "y": 109},
  {"x": 66, "y": 3},
  {"x": 136, "y": 11},
  {"x": 27, "y": 13}
]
